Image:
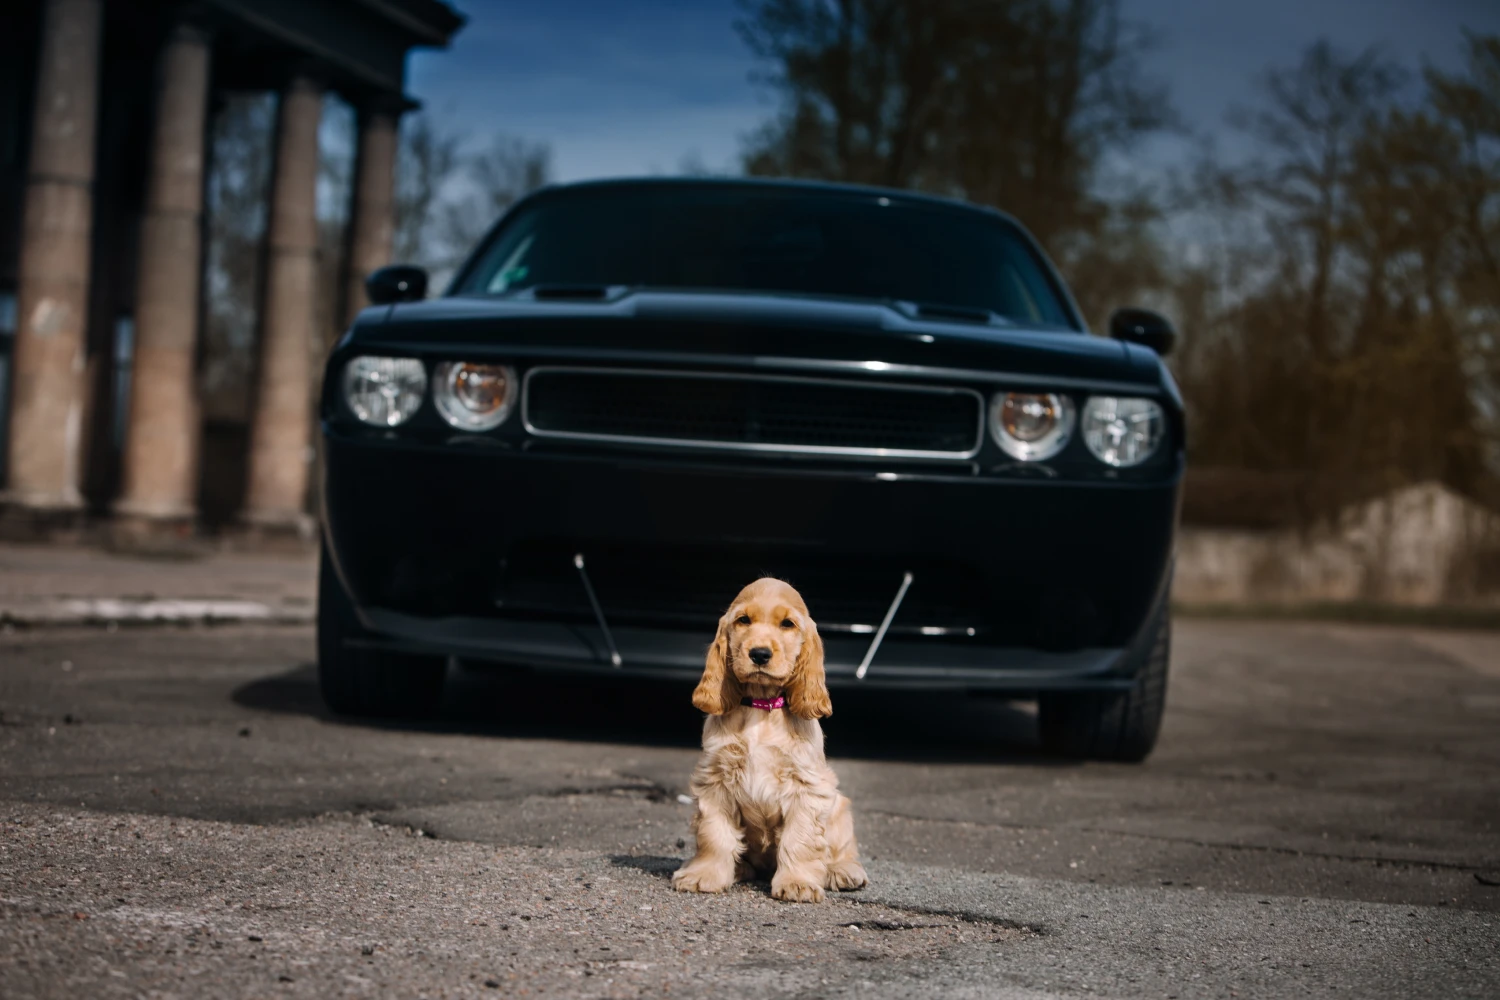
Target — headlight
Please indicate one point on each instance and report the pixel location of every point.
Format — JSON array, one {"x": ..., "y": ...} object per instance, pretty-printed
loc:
[
  {"x": 1122, "y": 431},
  {"x": 384, "y": 392},
  {"x": 473, "y": 397},
  {"x": 1031, "y": 426}
]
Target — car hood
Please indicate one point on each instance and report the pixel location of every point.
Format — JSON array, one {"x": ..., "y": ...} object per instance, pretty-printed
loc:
[{"x": 682, "y": 325}]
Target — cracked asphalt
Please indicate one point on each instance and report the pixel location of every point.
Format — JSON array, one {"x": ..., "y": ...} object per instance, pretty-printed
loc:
[{"x": 179, "y": 817}]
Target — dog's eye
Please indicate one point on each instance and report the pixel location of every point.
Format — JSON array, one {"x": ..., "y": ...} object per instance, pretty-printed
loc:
[
  {"x": 742, "y": 620},
  {"x": 788, "y": 623}
]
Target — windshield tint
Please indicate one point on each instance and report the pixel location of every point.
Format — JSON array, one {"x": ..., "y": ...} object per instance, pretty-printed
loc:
[{"x": 769, "y": 240}]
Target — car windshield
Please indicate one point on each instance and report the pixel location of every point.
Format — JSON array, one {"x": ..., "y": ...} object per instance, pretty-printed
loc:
[{"x": 846, "y": 244}]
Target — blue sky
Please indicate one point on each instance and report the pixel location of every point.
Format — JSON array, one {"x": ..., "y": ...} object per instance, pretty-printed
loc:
[{"x": 634, "y": 86}]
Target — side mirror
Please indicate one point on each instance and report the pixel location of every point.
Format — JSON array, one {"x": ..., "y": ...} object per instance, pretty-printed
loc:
[
  {"x": 397, "y": 283},
  {"x": 1144, "y": 327}
]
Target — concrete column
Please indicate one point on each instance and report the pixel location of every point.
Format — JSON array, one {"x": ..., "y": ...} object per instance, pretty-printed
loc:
[
  {"x": 372, "y": 216},
  {"x": 281, "y": 427},
  {"x": 161, "y": 451},
  {"x": 46, "y": 420}
]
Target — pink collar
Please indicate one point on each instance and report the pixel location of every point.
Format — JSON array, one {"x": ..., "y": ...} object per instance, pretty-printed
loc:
[{"x": 765, "y": 704}]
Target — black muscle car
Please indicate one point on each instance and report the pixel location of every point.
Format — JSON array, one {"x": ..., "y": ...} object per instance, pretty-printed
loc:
[{"x": 637, "y": 396}]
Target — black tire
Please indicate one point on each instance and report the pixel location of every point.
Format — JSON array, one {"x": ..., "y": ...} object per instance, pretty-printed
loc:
[
  {"x": 368, "y": 682},
  {"x": 1118, "y": 727}
]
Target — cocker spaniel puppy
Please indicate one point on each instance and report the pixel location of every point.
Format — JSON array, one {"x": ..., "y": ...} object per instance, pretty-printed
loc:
[{"x": 767, "y": 800}]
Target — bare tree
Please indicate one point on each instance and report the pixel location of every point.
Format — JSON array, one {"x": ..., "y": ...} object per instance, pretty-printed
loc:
[
  {"x": 1013, "y": 103},
  {"x": 1309, "y": 123},
  {"x": 1458, "y": 171},
  {"x": 447, "y": 199},
  {"x": 427, "y": 162},
  {"x": 1353, "y": 336},
  {"x": 494, "y": 179}
]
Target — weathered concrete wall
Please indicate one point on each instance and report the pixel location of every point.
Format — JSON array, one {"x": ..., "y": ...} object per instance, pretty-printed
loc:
[{"x": 1423, "y": 545}]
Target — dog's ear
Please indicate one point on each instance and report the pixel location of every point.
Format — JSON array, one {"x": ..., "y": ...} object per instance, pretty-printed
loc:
[
  {"x": 718, "y": 691},
  {"x": 807, "y": 688}
]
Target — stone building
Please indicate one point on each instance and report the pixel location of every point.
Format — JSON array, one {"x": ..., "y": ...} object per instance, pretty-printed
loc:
[{"x": 105, "y": 109}]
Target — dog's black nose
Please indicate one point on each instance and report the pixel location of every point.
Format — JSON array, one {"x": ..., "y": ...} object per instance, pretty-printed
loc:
[{"x": 760, "y": 655}]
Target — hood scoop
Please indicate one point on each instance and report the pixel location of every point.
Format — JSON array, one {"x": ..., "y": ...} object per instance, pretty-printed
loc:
[
  {"x": 952, "y": 314},
  {"x": 575, "y": 293}
]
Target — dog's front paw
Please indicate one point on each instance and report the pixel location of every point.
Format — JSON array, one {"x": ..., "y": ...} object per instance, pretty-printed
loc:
[
  {"x": 702, "y": 878},
  {"x": 796, "y": 891},
  {"x": 846, "y": 875}
]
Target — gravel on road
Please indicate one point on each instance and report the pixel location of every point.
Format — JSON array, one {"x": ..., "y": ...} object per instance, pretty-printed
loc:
[
  {"x": 180, "y": 817},
  {"x": 131, "y": 905}
]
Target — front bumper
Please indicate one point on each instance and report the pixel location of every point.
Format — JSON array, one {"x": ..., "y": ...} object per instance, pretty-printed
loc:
[
  {"x": 671, "y": 654},
  {"x": 1056, "y": 579}
]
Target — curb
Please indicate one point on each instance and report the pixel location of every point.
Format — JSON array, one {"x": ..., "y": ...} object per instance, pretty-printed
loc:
[
  {"x": 1457, "y": 616},
  {"x": 108, "y": 611}
]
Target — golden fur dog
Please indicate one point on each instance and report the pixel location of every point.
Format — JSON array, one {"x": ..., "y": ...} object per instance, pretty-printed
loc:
[{"x": 767, "y": 800}]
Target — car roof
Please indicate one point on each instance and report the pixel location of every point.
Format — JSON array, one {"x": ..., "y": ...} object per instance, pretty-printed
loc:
[{"x": 783, "y": 183}]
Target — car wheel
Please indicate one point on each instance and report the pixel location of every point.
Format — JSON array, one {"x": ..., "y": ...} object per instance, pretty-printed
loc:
[
  {"x": 368, "y": 682},
  {"x": 1121, "y": 727}
]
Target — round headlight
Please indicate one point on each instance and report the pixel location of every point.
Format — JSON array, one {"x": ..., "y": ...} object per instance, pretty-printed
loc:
[
  {"x": 1122, "y": 431},
  {"x": 1031, "y": 426},
  {"x": 473, "y": 397},
  {"x": 384, "y": 392}
]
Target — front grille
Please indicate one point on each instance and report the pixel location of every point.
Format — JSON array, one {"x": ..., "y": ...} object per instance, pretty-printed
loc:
[
  {"x": 688, "y": 587},
  {"x": 753, "y": 412}
]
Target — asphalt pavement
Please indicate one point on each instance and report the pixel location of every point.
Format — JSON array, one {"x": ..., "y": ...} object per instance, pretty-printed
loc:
[{"x": 179, "y": 817}]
